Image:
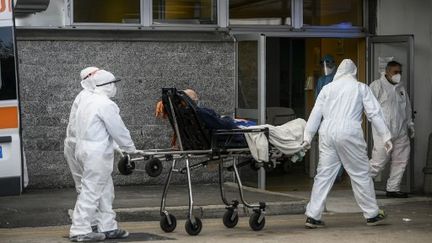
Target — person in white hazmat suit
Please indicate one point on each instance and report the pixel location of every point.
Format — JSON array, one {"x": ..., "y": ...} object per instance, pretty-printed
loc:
[
  {"x": 75, "y": 166},
  {"x": 98, "y": 125},
  {"x": 70, "y": 140},
  {"x": 338, "y": 115},
  {"x": 396, "y": 107}
]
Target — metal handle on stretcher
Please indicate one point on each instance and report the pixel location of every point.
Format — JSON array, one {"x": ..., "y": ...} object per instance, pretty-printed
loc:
[{"x": 240, "y": 131}]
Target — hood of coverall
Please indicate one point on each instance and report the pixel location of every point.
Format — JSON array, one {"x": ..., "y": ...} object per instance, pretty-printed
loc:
[
  {"x": 104, "y": 83},
  {"x": 85, "y": 75},
  {"x": 346, "y": 70}
]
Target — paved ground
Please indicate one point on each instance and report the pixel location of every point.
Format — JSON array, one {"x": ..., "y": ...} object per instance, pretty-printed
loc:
[
  {"x": 136, "y": 203},
  {"x": 407, "y": 222},
  {"x": 343, "y": 201}
]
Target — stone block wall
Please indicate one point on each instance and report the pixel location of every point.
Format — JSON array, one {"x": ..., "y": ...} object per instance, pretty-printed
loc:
[{"x": 49, "y": 66}]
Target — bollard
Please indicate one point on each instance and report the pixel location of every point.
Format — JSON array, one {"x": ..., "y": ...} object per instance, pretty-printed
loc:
[{"x": 427, "y": 170}]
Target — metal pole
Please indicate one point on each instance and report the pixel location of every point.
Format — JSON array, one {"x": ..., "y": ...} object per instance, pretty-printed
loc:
[{"x": 261, "y": 97}]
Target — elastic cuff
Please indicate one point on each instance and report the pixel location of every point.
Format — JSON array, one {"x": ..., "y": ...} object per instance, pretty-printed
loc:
[{"x": 129, "y": 149}]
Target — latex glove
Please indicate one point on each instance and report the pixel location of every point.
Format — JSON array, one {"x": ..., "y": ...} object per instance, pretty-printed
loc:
[
  {"x": 388, "y": 146},
  {"x": 119, "y": 151},
  {"x": 132, "y": 151},
  {"x": 306, "y": 145},
  {"x": 411, "y": 132}
]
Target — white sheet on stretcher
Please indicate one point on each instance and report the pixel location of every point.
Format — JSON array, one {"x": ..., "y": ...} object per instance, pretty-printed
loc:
[{"x": 286, "y": 138}]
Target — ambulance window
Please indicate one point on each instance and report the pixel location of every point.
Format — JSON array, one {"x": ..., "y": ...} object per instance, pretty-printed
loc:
[
  {"x": 7, "y": 65},
  {"x": 106, "y": 11}
]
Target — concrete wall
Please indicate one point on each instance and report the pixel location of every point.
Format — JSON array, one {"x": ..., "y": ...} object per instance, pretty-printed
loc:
[
  {"x": 397, "y": 17},
  {"x": 49, "y": 67}
]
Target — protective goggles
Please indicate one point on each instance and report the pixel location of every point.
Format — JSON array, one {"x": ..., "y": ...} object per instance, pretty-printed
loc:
[{"x": 110, "y": 82}]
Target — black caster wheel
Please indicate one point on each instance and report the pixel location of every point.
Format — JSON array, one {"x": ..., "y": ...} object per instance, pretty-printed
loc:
[
  {"x": 165, "y": 226},
  {"x": 228, "y": 220},
  {"x": 125, "y": 166},
  {"x": 154, "y": 167},
  {"x": 253, "y": 222},
  {"x": 193, "y": 229}
]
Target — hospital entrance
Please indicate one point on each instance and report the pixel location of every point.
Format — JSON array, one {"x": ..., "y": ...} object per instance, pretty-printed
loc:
[{"x": 280, "y": 74}]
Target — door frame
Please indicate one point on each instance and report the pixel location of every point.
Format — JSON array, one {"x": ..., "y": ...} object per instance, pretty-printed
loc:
[
  {"x": 260, "y": 37},
  {"x": 260, "y": 112}
]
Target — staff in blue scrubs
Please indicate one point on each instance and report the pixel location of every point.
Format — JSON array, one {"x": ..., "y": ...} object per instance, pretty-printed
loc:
[{"x": 329, "y": 66}]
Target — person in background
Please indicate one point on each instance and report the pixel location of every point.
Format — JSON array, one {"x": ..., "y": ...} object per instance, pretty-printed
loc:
[
  {"x": 396, "y": 106},
  {"x": 328, "y": 65}
]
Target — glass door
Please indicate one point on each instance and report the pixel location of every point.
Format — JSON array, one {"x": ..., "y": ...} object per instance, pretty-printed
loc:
[
  {"x": 250, "y": 90},
  {"x": 383, "y": 49}
]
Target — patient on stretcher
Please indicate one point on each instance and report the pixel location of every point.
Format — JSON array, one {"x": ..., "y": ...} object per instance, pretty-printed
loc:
[
  {"x": 212, "y": 119},
  {"x": 286, "y": 138}
]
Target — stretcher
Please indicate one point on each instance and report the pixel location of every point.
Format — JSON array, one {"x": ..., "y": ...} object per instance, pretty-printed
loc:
[{"x": 199, "y": 147}]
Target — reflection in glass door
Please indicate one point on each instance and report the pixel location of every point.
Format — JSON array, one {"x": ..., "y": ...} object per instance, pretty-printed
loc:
[
  {"x": 247, "y": 79},
  {"x": 250, "y": 91}
]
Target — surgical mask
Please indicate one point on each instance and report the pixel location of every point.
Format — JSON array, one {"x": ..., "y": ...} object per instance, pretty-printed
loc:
[
  {"x": 113, "y": 91},
  {"x": 396, "y": 78}
]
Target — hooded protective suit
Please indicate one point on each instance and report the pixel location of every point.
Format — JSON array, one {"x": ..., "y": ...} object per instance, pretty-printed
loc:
[
  {"x": 396, "y": 107},
  {"x": 98, "y": 124},
  {"x": 70, "y": 141},
  {"x": 340, "y": 106}
]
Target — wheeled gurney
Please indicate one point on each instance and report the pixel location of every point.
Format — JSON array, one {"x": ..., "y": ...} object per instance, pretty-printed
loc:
[{"x": 197, "y": 143}]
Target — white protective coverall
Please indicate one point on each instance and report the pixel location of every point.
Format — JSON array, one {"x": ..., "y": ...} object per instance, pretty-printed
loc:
[
  {"x": 98, "y": 124},
  {"x": 75, "y": 167},
  {"x": 340, "y": 105},
  {"x": 396, "y": 107}
]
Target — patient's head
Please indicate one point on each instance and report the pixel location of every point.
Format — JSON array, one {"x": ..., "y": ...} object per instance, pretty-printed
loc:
[{"x": 192, "y": 94}]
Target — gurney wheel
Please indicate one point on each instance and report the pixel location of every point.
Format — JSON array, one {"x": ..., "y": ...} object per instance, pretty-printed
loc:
[
  {"x": 227, "y": 221},
  {"x": 154, "y": 167},
  {"x": 253, "y": 222},
  {"x": 165, "y": 226},
  {"x": 125, "y": 166},
  {"x": 193, "y": 229}
]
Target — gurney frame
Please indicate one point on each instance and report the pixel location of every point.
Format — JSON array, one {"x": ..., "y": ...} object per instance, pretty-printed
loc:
[{"x": 195, "y": 142}]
